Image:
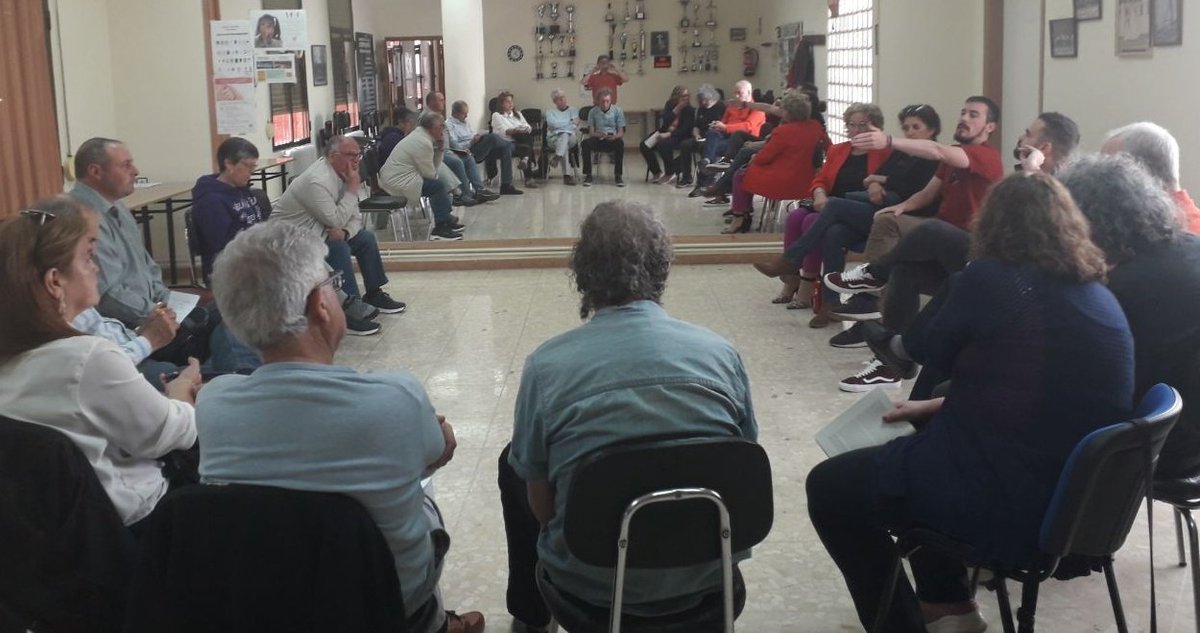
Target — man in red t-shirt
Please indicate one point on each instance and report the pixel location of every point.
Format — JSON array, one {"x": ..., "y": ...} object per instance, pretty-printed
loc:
[{"x": 604, "y": 75}]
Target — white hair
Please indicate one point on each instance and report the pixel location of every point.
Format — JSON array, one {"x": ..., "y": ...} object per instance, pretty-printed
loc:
[
  {"x": 1151, "y": 145},
  {"x": 743, "y": 84},
  {"x": 556, "y": 93},
  {"x": 261, "y": 282}
]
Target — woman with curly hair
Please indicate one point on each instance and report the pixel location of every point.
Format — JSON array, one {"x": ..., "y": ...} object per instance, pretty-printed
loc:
[{"x": 1040, "y": 355}]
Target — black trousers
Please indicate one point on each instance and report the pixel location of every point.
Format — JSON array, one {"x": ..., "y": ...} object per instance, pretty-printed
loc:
[
  {"x": 919, "y": 264},
  {"x": 736, "y": 141},
  {"x": 521, "y": 529},
  {"x": 664, "y": 149},
  {"x": 914, "y": 341},
  {"x": 852, "y": 521},
  {"x": 684, "y": 159},
  {"x": 616, "y": 147}
]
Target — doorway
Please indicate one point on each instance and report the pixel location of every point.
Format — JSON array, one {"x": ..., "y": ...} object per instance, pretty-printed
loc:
[{"x": 415, "y": 68}]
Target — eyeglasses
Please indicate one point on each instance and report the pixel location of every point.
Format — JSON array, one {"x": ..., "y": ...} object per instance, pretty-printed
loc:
[
  {"x": 334, "y": 279},
  {"x": 352, "y": 155},
  {"x": 858, "y": 126},
  {"x": 39, "y": 216}
]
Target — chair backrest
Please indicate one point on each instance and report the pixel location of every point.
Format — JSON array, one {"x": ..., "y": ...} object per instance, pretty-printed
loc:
[
  {"x": 669, "y": 534},
  {"x": 1104, "y": 480},
  {"x": 264, "y": 202},
  {"x": 65, "y": 555},
  {"x": 254, "y": 558}
]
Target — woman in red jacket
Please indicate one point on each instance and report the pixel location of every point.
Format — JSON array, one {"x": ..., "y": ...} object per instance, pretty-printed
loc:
[{"x": 784, "y": 168}]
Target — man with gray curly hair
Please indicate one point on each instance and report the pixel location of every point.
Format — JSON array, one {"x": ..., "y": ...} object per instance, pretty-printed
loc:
[
  {"x": 304, "y": 423},
  {"x": 630, "y": 372}
]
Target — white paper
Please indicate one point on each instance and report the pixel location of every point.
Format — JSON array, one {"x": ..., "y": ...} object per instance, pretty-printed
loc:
[
  {"x": 182, "y": 304},
  {"x": 651, "y": 140},
  {"x": 233, "y": 76},
  {"x": 280, "y": 29},
  {"x": 273, "y": 68},
  {"x": 861, "y": 426}
]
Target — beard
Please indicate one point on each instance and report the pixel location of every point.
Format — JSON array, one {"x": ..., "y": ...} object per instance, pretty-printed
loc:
[{"x": 963, "y": 135}]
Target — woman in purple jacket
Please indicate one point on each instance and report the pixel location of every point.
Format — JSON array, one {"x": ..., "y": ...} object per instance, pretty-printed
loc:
[{"x": 223, "y": 204}]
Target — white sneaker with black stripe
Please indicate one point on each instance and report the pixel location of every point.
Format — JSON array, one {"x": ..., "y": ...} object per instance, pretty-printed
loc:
[{"x": 874, "y": 376}]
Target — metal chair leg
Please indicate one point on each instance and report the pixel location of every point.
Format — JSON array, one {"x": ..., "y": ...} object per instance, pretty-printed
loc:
[
  {"x": 885, "y": 601},
  {"x": 1194, "y": 544},
  {"x": 392, "y": 221},
  {"x": 1115, "y": 596},
  {"x": 1000, "y": 585},
  {"x": 1028, "y": 611},
  {"x": 1179, "y": 535}
]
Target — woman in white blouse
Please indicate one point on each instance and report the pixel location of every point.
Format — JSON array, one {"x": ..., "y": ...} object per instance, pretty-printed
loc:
[
  {"x": 84, "y": 386},
  {"x": 511, "y": 124}
]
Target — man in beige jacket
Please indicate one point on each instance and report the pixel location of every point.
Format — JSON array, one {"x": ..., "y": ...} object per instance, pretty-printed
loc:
[{"x": 412, "y": 171}]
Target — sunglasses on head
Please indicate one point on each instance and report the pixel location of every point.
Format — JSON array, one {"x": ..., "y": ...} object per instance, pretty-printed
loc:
[{"x": 39, "y": 216}]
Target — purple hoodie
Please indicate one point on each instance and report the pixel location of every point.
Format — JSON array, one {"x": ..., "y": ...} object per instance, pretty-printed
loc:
[{"x": 219, "y": 212}]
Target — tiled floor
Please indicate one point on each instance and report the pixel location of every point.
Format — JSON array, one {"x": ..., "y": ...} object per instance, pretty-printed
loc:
[{"x": 466, "y": 336}]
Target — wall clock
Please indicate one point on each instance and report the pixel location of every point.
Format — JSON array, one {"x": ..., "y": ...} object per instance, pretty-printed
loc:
[{"x": 515, "y": 53}]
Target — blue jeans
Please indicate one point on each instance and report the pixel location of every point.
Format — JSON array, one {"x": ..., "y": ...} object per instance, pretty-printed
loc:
[
  {"x": 724, "y": 184},
  {"x": 493, "y": 147},
  {"x": 715, "y": 144},
  {"x": 439, "y": 199},
  {"x": 365, "y": 249},
  {"x": 842, "y": 226},
  {"x": 466, "y": 170}
]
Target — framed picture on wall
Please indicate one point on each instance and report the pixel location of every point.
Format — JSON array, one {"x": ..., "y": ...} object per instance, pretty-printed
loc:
[
  {"x": 320, "y": 65},
  {"x": 1168, "y": 23},
  {"x": 660, "y": 43},
  {"x": 1064, "y": 38},
  {"x": 1133, "y": 27},
  {"x": 1088, "y": 9},
  {"x": 737, "y": 34}
]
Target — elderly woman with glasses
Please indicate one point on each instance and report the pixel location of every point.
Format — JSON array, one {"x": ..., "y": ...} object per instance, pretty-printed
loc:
[{"x": 84, "y": 386}]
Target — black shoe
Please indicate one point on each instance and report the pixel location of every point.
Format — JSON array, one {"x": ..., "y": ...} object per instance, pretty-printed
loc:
[
  {"x": 847, "y": 339},
  {"x": 456, "y": 227},
  {"x": 697, "y": 191},
  {"x": 483, "y": 195},
  {"x": 860, "y": 307},
  {"x": 683, "y": 184},
  {"x": 384, "y": 302},
  {"x": 359, "y": 327},
  {"x": 444, "y": 234},
  {"x": 509, "y": 190},
  {"x": 465, "y": 201},
  {"x": 454, "y": 219},
  {"x": 587, "y": 181},
  {"x": 620, "y": 181},
  {"x": 356, "y": 308},
  {"x": 879, "y": 339}
]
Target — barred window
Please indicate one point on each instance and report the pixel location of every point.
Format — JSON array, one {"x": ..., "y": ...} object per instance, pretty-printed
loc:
[{"x": 851, "y": 48}]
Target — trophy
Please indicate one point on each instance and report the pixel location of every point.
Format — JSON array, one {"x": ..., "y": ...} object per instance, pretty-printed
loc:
[
  {"x": 570, "y": 9},
  {"x": 685, "y": 22},
  {"x": 624, "y": 40},
  {"x": 712, "y": 16},
  {"x": 609, "y": 17},
  {"x": 541, "y": 10},
  {"x": 627, "y": 16},
  {"x": 570, "y": 68},
  {"x": 640, "y": 14},
  {"x": 612, "y": 35},
  {"x": 641, "y": 52},
  {"x": 554, "y": 11},
  {"x": 683, "y": 51},
  {"x": 571, "y": 45},
  {"x": 554, "y": 70},
  {"x": 696, "y": 38}
]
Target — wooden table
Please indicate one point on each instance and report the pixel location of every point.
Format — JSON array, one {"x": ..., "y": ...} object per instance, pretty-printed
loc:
[
  {"x": 264, "y": 172},
  {"x": 165, "y": 198}
]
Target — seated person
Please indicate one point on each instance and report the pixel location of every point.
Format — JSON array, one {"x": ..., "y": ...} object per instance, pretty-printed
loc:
[
  {"x": 223, "y": 203},
  {"x": 470, "y": 189},
  {"x": 606, "y": 133},
  {"x": 604, "y": 75},
  {"x": 562, "y": 133},
  {"x": 510, "y": 124},
  {"x": 84, "y": 386},
  {"x": 273, "y": 428},
  {"x": 412, "y": 169},
  {"x": 130, "y": 281},
  {"x": 1040, "y": 355},
  {"x": 675, "y": 124},
  {"x": 845, "y": 213},
  {"x": 711, "y": 109},
  {"x": 406, "y": 120},
  {"x": 580, "y": 390},
  {"x": 464, "y": 141},
  {"x": 783, "y": 169},
  {"x": 739, "y": 124},
  {"x": 1158, "y": 151},
  {"x": 323, "y": 200}
]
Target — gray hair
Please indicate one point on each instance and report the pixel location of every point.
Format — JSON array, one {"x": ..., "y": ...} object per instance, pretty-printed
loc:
[
  {"x": 429, "y": 118},
  {"x": 261, "y": 282},
  {"x": 742, "y": 83},
  {"x": 623, "y": 254},
  {"x": 708, "y": 93},
  {"x": 458, "y": 106},
  {"x": 556, "y": 93},
  {"x": 874, "y": 114},
  {"x": 796, "y": 106},
  {"x": 1127, "y": 209},
  {"x": 337, "y": 141},
  {"x": 1151, "y": 145},
  {"x": 94, "y": 151}
]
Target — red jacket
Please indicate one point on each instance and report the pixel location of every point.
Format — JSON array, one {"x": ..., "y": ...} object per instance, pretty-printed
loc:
[
  {"x": 783, "y": 168},
  {"x": 836, "y": 157},
  {"x": 743, "y": 120}
]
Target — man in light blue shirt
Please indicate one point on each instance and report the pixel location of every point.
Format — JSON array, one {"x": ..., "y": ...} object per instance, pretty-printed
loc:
[
  {"x": 606, "y": 133},
  {"x": 629, "y": 372},
  {"x": 464, "y": 141},
  {"x": 300, "y": 422},
  {"x": 562, "y": 133}
]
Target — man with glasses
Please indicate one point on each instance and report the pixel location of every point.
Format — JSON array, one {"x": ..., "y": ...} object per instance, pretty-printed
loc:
[{"x": 324, "y": 201}]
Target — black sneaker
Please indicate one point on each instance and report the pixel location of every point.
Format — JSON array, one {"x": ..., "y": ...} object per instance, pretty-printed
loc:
[
  {"x": 384, "y": 302},
  {"x": 698, "y": 190},
  {"x": 683, "y": 184},
  {"x": 454, "y": 219},
  {"x": 483, "y": 195},
  {"x": 509, "y": 190},
  {"x": 360, "y": 327},
  {"x": 620, "y": 181},
  {"x": 457, "y": 226},
  {"x": 860, "y": 307},
  {"x": 879, "y": 339},
  {"x": 356, "y": 308},
  {"x": 587, "y": 181},
  {"x": 850, "y": 338},
  {"x": 444, "y": 234},
  {"x": 465, "y": 201}
]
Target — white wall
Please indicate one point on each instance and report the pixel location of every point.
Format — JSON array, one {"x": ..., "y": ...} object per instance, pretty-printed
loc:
[
  {"x": 406, "y": 18},
  {"x": 87, "y": 96},
  {"x": 1102, "y": 91},
  {"x": 1023, "y": 24}
]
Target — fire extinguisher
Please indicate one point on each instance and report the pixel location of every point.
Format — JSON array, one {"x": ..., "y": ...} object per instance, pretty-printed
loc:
[{"x": 749, "y": 61}]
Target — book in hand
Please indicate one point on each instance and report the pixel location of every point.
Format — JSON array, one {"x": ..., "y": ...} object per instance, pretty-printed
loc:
[{"x": 862, "y": 426}]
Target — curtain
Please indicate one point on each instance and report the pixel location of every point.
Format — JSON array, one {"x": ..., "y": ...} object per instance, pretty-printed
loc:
[{"x": 29, "y": 155}]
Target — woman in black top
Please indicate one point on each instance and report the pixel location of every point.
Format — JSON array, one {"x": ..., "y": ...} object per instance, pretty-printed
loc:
[
  {"x": 674, "y": 126},
  {"x": 712, "y": 108}
]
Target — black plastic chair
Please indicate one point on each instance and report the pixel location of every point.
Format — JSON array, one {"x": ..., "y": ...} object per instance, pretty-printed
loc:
[
  {"x": 1102, "y": 485},
  {"x": 663, "y": 503},
  {"x": 380, "y": 204},
  {"x": 65, "y": 556},
  {"x": 242, "y": 558}
]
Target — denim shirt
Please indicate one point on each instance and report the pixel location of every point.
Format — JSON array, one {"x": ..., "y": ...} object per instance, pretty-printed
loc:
[
  {"x": 632, "y": 371},
  {"x": 609, "y": 122},
  {"x": 562, "y": 121}
]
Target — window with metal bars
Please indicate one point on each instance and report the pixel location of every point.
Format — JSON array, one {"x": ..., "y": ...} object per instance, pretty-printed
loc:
[
  {"x": 289, "y": 110},
  {"x": 851, "y": 60}
]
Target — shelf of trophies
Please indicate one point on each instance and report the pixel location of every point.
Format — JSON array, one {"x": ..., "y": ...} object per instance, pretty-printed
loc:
[
  {"x": 632, "y": 43},
  {"x": 695, "y": 54},
  {"x": 554, "y": 43}
]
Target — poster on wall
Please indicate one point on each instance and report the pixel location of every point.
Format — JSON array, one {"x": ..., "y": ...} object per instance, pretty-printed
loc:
[
  {"x": 276, "y": 68},
  {"x": 233, "y": 75},
  {"x": 1063, "y": 36},
  {"x": 280, "y": 30},
  {"x": 364, "y": 54},
  {"x": 1168, "y": 23},
  {"x": 320, "y": 65},
  {"x": 1133, "y": 27}
]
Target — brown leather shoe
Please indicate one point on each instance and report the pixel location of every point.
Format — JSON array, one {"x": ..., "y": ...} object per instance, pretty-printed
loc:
[
  {"x": 822, "y": 318},
  {"x": 777, "y": 266},
  {"x": 469, "y": 622}
]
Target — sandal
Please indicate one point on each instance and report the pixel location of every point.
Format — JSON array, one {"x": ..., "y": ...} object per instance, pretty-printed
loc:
[
  {"x": 791, "y": 283},
  {"x": 469, "y": 622}
]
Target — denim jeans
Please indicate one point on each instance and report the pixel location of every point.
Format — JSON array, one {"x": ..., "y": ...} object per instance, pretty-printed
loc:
[
  {"x": 466, "y": 170},
  {"x": 365, "y": 249},
  {"x": 493, "y": 147},
  {"x": 715, "y": 144},
  {"x": 439, "y": 199}
]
